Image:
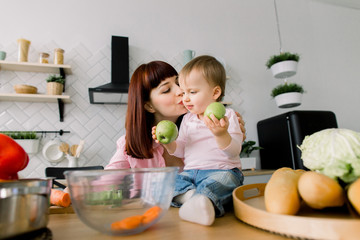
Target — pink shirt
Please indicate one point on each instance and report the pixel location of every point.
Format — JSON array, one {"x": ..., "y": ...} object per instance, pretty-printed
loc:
[
  {"x": 197, "y": 145},
  {"x": 121, "y": 160}
]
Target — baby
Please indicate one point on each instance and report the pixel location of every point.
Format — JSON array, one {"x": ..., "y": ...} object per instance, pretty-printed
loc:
[{"x": 210, "y": 147}]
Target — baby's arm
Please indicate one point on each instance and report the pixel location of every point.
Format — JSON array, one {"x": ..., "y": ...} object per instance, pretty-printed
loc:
[{"x": 220, "y": 130}]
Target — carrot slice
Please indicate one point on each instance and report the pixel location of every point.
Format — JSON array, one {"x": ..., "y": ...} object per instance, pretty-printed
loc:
[
  {"x": 135, "y": 221},
  {"x": 127, "y": 223},
  {"x": 152, "y": 210},
  {"x": 59, "y": 198},
  {"x": 151, "y": 214}
]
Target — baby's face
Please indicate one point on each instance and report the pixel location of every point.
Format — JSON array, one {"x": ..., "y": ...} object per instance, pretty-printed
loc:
[{"x": 197, "y": 92}]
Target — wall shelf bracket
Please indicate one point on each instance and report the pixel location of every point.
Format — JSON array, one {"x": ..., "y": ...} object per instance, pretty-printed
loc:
[
  {"x": 61, "y": 109},
  {"x": 62, "y": 73}
]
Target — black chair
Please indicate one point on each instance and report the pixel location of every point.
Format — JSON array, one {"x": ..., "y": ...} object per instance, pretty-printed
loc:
[{"x": 58, "y": 172}]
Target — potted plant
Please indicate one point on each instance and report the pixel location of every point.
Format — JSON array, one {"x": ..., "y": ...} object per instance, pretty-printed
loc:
[
  {"x": 29, "y": 141},
  {"x": 283, "y": 65},
  {"x": 247, "y": 148},
  {"x": 287, "y": 95},
  {"x": 55, "y": 85}
]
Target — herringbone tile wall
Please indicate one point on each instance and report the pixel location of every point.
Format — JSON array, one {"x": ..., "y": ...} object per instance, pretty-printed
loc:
[{"x": 99, "y": 125}]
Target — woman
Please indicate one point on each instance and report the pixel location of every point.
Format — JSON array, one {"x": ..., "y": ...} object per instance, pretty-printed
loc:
[{"x": 154, "y": 95}]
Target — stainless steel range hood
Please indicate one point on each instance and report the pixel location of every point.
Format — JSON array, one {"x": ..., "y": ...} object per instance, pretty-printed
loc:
[{"x": 115, "y": 92}]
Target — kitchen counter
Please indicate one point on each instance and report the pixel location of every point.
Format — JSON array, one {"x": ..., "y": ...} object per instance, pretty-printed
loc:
[
  {"x": 69, "y": 226},
  {"x": 257, "y": 172}
]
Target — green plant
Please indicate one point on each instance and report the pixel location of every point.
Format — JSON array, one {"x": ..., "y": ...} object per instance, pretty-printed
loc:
[
  {"x": 248, "y": 147},
  {"x": 285, "y": 88},
  {"x": 55, "y": 78},
  {"x": 21, "y": 135},
  {"x": 286, "y": 56}
]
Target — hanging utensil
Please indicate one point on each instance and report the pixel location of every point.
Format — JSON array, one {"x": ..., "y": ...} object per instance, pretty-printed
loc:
[
  {"x": 64, "y": 147},
  {"x": 73, "y": 149},
  {"x": 79, "y": 148}
]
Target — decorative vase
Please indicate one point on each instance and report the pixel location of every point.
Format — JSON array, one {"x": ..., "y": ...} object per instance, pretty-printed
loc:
[
  {"x": 54, "y": 88},
  {"x": 288, "y": 100},
  {"x": 29, "y": 145},
  {"x": 284, "y": 69}
]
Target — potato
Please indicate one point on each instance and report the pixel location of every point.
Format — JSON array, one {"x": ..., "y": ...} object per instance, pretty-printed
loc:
[
  {"x": 354, "y": 195},
  {"x": 281, "y": 194},
  {"x": 320, "y": 191}
]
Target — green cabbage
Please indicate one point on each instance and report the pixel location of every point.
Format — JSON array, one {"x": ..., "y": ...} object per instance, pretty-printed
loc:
[{"x": 333, "y": 152}]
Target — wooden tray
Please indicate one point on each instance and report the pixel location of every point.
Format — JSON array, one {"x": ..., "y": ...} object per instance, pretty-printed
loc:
[{"x": 337, "y": 223}]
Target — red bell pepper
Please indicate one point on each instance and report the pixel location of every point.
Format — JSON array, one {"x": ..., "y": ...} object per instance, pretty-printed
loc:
[{"x": 13, "y": 158}]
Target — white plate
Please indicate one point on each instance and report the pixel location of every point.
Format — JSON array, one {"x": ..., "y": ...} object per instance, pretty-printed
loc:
[{"x": 51, "y": 151}]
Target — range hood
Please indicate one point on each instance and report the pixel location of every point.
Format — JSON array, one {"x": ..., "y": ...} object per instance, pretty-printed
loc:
[{"x": 115, "y": 92}]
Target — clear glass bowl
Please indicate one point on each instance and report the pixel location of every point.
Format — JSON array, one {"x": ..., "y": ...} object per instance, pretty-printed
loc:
[{"x": 104, "y": 199}]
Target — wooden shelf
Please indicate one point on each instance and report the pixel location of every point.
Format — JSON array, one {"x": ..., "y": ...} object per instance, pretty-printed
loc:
[
  {"x": 61, "y": 69},
  {"x": 34, "y": 97},
  {"x": 35, "y": 67},
  {"x": 60, "y": 99}
]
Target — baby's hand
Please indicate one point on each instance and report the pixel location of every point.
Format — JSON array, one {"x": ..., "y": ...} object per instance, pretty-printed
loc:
[
  {"x": 242, "y": 125},
  {"x": 153, "y": 133},
  {"x": 217, "y": 127}
]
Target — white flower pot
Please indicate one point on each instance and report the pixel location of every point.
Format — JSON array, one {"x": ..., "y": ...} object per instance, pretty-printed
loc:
[
  {"x": 248, "y": 163},
  {"x": 284, "y": 69},
  {"x": 288, "y": 100},
  {"x": 29, "y": 145}
]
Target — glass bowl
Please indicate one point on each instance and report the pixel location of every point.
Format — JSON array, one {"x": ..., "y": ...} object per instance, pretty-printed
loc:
[{"x": 121, "y": 202}]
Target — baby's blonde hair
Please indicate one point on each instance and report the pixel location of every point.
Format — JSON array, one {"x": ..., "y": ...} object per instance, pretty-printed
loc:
[{"x": 212, "y": 70}]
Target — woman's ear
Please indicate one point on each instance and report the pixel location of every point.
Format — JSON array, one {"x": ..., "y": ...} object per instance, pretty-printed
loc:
[
  {"x": 216, "y": 92},
  {"x": 148, "y": 107}
]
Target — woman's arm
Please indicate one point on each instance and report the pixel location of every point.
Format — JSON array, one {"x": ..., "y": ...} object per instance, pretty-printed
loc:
[{"x": 119, "y": 160}]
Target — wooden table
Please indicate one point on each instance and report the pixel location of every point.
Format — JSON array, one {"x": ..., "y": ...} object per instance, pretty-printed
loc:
[{"x": 69, "y": 226}]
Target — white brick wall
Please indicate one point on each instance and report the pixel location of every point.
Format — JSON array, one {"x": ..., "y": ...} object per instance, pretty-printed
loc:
[{"x": 99, "y": 125}]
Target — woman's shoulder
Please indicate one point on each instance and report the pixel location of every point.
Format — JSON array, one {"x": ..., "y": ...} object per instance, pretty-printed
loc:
[
  {"x": 121, "y": 141},
  {"x": 121, "y": 145}
]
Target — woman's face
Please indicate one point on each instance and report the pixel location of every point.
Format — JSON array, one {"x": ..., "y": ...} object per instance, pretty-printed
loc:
[{"x": 166, "y": 101}]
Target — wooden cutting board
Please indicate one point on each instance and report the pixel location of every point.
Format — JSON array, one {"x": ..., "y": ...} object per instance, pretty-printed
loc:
[{"x": 61, "y": 210}]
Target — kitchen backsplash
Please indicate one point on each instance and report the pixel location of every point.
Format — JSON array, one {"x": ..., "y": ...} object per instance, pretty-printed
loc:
[{"x": 99, "y": 125}]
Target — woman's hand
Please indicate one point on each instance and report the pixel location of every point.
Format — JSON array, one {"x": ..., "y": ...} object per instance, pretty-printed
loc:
[
  {"x": 170, "y": 147},
  {"x": 242, "y": 125},
  {"x": 153, "y": 133}
]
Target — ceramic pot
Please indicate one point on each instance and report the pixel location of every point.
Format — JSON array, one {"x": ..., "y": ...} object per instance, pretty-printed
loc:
[
  {"x": 54, "y": 88},
  {"x": 248, "y": 163},
  {"x": 29, "y": 145},
  {"x": 284, "y": 69},
  {"x": 288, "y": 100},
  {"x": 73, "y": 161}
]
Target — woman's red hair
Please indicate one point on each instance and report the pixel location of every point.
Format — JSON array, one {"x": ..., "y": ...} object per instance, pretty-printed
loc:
[{"x": 139, "y": 122}]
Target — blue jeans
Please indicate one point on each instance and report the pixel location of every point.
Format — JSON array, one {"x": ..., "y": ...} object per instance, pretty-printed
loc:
[{"x": 216, "y": 184}]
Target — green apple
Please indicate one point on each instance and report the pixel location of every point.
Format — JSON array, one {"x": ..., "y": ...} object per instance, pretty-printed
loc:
[
  {"x": 216, "y": 108},
  {"x": 166, "y": 131}
]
